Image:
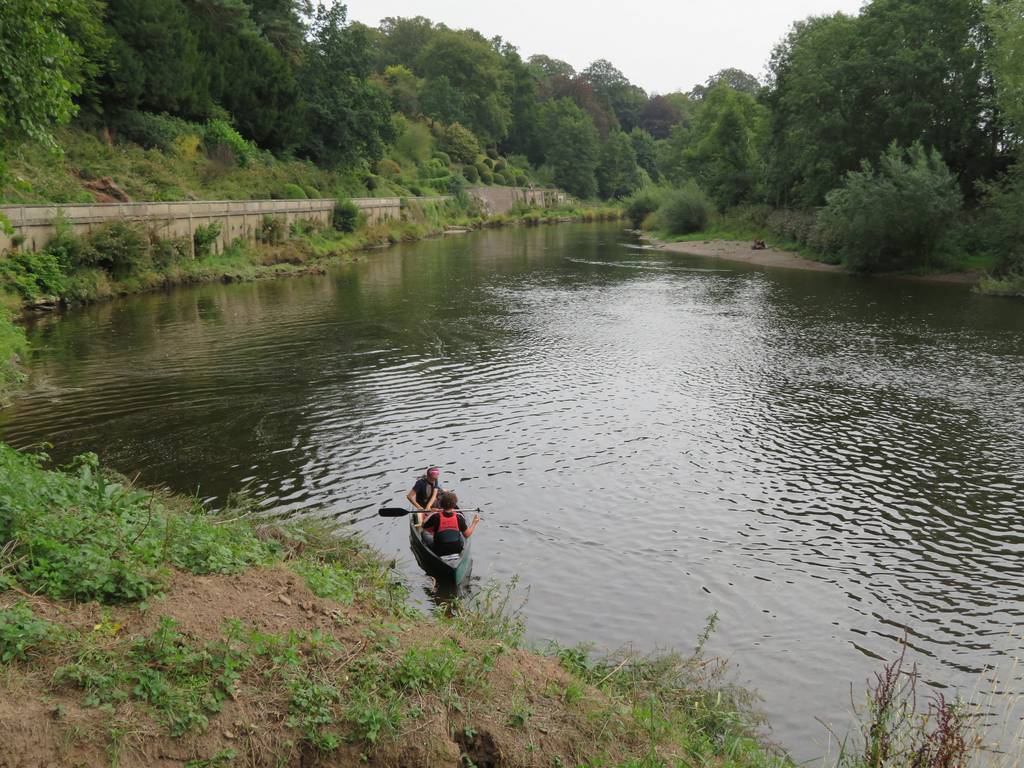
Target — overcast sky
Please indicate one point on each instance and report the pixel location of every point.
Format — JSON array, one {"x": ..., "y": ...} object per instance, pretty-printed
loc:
[{"x": 660, "y": 45}]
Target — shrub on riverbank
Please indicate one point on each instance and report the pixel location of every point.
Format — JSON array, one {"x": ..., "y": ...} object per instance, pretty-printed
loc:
[
  {"x": 684, "y": 210},
  {"x": 893, "y": 216},
  {"x": 12, "y": 347}
]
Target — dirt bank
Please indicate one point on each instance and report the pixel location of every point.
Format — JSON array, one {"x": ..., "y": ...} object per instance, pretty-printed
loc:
[{"x": 740, "y": 251}]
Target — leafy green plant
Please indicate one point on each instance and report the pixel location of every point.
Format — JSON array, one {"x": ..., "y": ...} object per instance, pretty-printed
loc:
[
  {"x": 893, "y": 216},
  {"x": 220, "y": 133},
  {"x": 345, "y": 217},
  {"x": 119, "y": 247},
  {"x": 293, "y": 192},
  {"x": 312, "y": 710},
  {"x": 83, "y": 536},
  {"x": 21, "y": 632},
  {"x": 684, "y": 210},
  {"x": 205, "y": 237},
  {"x": 33, "y": 274},
  {"x": 272, "y": 230},
  {"x": 642, "y": 204}
]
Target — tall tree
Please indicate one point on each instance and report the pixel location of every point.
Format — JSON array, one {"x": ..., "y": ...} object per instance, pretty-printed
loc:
[
  {"x": 1006, "y": 60},
  {"x": 475, "y": 70},
  {"x": 736, "y": 79},
  {"x": 40, "y": 70},
  {"x": 571, "y": 145},
  {"x": 403, "y": 40},
  {"x": 348, "y": 117},
  {"x": 623, "y": 99},
  {"x": 617, "y": 171}
]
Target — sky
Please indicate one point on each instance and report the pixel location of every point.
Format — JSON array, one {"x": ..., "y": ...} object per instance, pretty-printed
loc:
[{"x": 660, "y": 45}]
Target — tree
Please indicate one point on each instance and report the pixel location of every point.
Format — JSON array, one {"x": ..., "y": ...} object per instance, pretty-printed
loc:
[
  {"x": 646, "y": 152},
  {"x": 523, "y": 88},
  {"x": 40, "y": 72},
  {"x": 722, "y": 149},
  {"x": 617, "y": 171},
  {"x": 156, "y": 61},
  {"x": 571, "y": 146},
  {"x": 1006, "y": 60},
  {"x": 843, "y": 88},
  {"x": 348, "y": 117},
  {"x": 547, "y": 67},
  {"x": 582, "y": 93},
  {"x": 403, "y": 40},
  {"x": 893, "y": 217},
  {"x": 623, "y": 99},
  {"x": 473, "y": 70},
  {"x": 404, "y": 88},
  {"x": 736, "y": 79},
  {"x": 659, "y": 116}
]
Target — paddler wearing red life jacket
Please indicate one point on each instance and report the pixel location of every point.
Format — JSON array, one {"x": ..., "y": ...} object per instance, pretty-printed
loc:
[{"x": 448, "y": 526}]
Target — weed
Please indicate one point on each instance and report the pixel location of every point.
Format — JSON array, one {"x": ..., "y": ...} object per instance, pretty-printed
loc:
[
  {"x": 311, "y": 710},
  {"x": 22, "y": 633}
]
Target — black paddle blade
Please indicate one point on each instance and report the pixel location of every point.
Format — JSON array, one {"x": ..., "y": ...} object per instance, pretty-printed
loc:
[{"x": 394, "y": 512}]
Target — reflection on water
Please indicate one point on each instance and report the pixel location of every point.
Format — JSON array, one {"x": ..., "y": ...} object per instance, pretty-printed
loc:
[{"x": 831, "y": 464}]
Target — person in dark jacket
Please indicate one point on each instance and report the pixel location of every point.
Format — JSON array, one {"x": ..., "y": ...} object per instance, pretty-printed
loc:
[
  {"x": 423, "y": 495},
  {"x": 448, "y": 526}
]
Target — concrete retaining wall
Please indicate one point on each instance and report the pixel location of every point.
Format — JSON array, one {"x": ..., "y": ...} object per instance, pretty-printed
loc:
[
  {"x": 499, "y": 200},
  {"x": 237, "y": 218}
]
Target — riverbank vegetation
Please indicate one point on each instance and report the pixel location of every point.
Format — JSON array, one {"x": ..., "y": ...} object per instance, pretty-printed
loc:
[
  {"x": 135, "y": 625},
  {"x": 855, "y": 108}
]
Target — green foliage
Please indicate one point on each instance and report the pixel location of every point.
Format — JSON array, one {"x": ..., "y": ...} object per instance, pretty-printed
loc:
[
  {"x": 293, "y": 192},
  {"x": 894, "y": 217},
  {"x": 617, "y": 171},
  {"x": 155, "y": 131},
  {"x": 464, "y": 78},
  {"x": 272, "y": 231},
  {"x": 22, "y": 633},
  {"x": 119, "y": 247},
  {"x": 311, "y": 710},
  {"x": 220, "y": 137},
  {"x": 345, "y": 217},
  {"x": 39, "y": 69},
  {"x": 471, "y": 173},
  {"x": 183, "y": 683},
  {"x": 12, "y": 347},
  {"x": 1001, "y": 226},
  {"x": 205, "y": 237},
  {"x": 842, "y": 89},
  {"x": 170, "y": 252},
  {"x": 1006, "y": 25},
  {"x": 571, "y": 146},
  {"x": 642, "y": 204},
  {"x": 33, "y": 275},
  {"x": 414, "y": 141},
  {"x": 81, "y": 536},
  {"x": 348, "y": 117},
  {"x": 684, "y": 210},
  {"x": 460, "y": 144}
]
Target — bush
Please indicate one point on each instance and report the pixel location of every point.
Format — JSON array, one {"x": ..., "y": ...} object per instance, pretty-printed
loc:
[
  {"x": 272, "y": 231},
  {"x": 33, "y": 275},
  {"x": 443, "y": 157},
  {"x": 84, "y": 536},
  {"x": 156, "y": 131},
  {"x": 499, "y": 165},
  {"x": 471, "y": 173},
  {"x": 388, "y": 167},
  {"x": 1001, "y": 226},
  {"x": 460, "y": 144},
  {"x": 292, "y": 192},
  {"x": 895, "y": 217},
  {"x": 345, "y": 217},
  {"x": 684, "y": 210},
  {"x": 218, "y": 134},
  {"x": 119, "y": 247},
  {"x": 204, "y": 238},
  {"x": 167, "y": 252},
  {"x": 21, "y": 632},
  {"x": 642, "y": 204}
]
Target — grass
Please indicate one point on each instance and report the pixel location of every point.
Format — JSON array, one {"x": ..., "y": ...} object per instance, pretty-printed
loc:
[{"x": 12, "y": 348}]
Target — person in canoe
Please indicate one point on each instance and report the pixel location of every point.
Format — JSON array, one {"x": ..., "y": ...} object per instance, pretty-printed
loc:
[
  {"x": 423, "y": 495},
  {"x": 448, "y": 526}
]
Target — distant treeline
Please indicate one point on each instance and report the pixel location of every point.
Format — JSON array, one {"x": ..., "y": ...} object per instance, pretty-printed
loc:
[{"x": 919, "y": 90}]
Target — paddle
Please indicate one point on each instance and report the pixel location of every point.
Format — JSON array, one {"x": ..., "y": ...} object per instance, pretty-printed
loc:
[{"x": 400, "y": 512}]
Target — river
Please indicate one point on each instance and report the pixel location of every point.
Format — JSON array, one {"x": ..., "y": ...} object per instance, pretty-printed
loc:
[{"x": 831, "y": 464}]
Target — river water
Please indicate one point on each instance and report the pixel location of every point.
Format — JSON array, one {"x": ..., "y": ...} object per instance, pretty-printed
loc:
[{"x": 829, "y": 463}]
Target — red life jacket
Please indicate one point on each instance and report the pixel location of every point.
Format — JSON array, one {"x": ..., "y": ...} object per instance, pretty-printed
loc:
[{"x": 447, "y": 522}]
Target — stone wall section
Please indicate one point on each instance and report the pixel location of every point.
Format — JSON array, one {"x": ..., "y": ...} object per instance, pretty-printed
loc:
[{"x": 34, "y": 224}]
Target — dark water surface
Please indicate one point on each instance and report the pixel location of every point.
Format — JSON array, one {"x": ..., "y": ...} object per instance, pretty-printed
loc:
[{"x": 829, "y": 463}]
